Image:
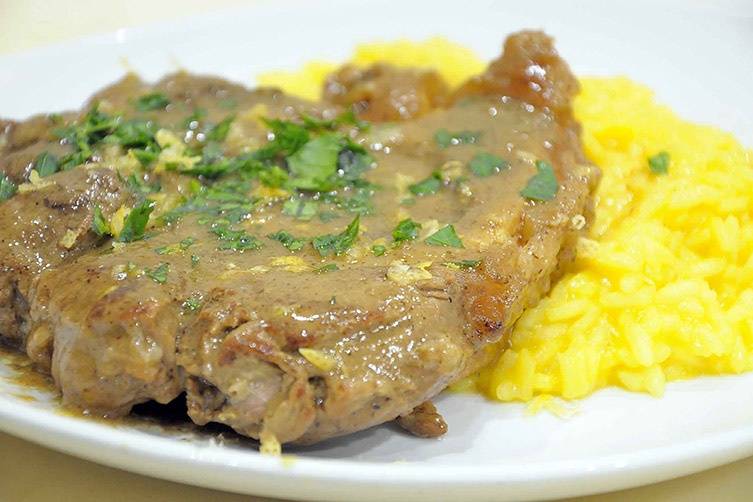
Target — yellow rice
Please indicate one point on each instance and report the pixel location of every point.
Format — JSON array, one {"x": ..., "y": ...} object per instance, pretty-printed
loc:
[{"x": 663, "y": 286}]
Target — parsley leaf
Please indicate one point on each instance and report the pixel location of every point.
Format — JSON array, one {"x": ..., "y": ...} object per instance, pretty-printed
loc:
[
  {"x": 378, "y": 249},
  {"x": 219, "y": 132},
  {"x": 659, "y": 163},
  {"x": 46, "y": 164},
  {"x": 236, "y": 240},
  {"x": 136, "y": 221},
  {"x": 485, "y": 164},
  {"x": 445, "y": 236},
  {"x": 352, "y": 162},
  {"x": 7, "y": 187},
  {"x": 134, "y": 133},
  {"x": 339, "y": 243},
  {"x": 139, "y": 187},
  {"x": 445, "y": 138},
  {"x": 429, "y": 186},
  {"x": 300, "y": 209},
  {"x": 286, "y": 239},
  {"x": 175, "y": 248},
  {"x": 289, "y": 137},
  {"x": 462, "y": 264},
  {"x": 100, "y": 225},
  {"x": 159, "y": 273},
  {"x": 406, "y": 230},
  {"x": 542, "y": 186},
  {"x": 273, "y": 177},
  {"x": 314, "y": 165},
  {"x": 153, "y": 101},
  {"x": 329, "y": 267},
  {"x": 192, "y": 303}
]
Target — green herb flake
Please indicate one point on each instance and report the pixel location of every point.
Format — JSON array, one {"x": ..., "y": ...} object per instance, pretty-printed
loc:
[
  {"x": 329, "y": 267},
  {"x": 543, "y": 185},
  {"x": 378, "y": 249},
  {"x": 406, "y": 230},
  {"x": 192, "y": 304},
  {"x": 288, "y": 240},
  {"x": 289, "y": 137},
  {"x": 445, "y": 138},
  {"x": 659, "y": 163},
  {"x": 46, "y": 164},
  {"x": 100, "y": 225},
  {"x": 273, "y": 177},
  {"x": 299, "y": 209},
  {"x": 194, "y": 260},
  {"x": 153, "y": 101},
  {"x": 235, "y": 240},
  {"x": 136, "y": 221},
  {"x": 462, "y": 264},
  {"x": 7, "y": 188},
  {"x": 159, "y": 273},
  {"x": 445, "y": 236},
  {"x": 144, "y": 156},
  {"x": 339, "y": 243},
  {"x": 313, "y": 166},
  {"x": 176, "y": 248},
  {"x": 429, "y": 186},
  {"x": 220, "y": 131},
  {"x": 485, "y": 164}
]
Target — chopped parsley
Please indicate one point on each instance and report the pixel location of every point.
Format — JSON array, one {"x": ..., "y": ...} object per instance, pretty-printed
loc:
[
  {"x": 46, "y": 164},
  {"x": 429, "y": 186},
  {"x": 406, "y": 230},
  {"x": 461, "y": 264},
  {"x": 543, "y": 185},
  {"x": 100, "y": 225},
  {"x": 159, "y": 273},
  {"x": 485, "y": 164},
  {"x": 220, "y": 131},
  {"x": 329, "y": 267},
  {"x": 378, "y": 249},
  {"x": 194, "y": 260},
  {"x": 445, "y": 138},
  {"x": 96, "y": 127},
  {"x": 445, "y": 236},
  {"x": 176, "y": 248},
  {"x": 338, "y": 243},
  {"x": 288, "y": 240},
  {"x": 273, "y": 177},
  {"x": 136, "y": 221},
  {"x": 139, "y": 187},
  {"x": 152, "y": 101},
  {"x": 192, "y": 303},
  {"x": 314, "y": 165},
  {"x": 289, "y": 137},
  {"x": 235, "y": 240},
  {"x": 659, "y": 163},
  {"x": 7, "y": 187},
  {"x": 299, "y": 209}
]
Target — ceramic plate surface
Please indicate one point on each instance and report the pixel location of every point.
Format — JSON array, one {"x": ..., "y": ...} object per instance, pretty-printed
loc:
[{"x": 698, "y": 59}]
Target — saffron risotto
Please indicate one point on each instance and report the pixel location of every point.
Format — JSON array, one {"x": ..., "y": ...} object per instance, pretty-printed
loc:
[{"x": 662, "y": 288}]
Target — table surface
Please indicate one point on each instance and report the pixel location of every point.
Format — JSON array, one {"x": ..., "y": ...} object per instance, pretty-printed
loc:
[{"x": 36, "y": 474}]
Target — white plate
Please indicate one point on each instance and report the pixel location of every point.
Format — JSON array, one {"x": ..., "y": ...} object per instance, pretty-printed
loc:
[{"x": 697, "y": 57}]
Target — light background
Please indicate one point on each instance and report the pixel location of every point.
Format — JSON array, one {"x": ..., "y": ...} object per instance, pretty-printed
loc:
[{"x": 29, "y": 473}]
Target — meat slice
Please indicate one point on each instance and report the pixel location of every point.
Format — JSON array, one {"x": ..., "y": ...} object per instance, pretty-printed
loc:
[
  {"x": 44, "y": 226},
  {"x": 282, "y": 346},
  {"x": 383, "y": 92}
]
